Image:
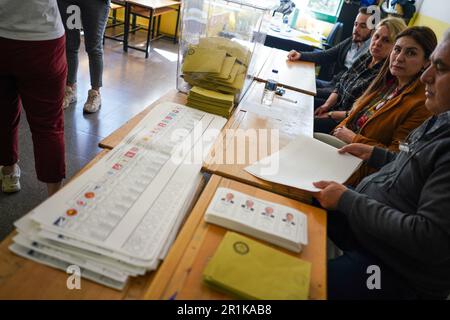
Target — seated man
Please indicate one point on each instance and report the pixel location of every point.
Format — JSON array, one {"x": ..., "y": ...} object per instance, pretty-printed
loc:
[
  {"x": 343, "y": 55},
  {"x": 397, "y": 222}
]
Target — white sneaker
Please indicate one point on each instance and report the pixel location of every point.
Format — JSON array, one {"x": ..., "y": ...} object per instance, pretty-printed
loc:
[
  {"x": 93, "y": 103},
  {"x": 10, "y": 182},
  {"x": 70, "y": 96}
]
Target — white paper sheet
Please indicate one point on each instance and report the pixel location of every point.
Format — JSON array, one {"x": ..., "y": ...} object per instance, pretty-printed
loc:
[
  {"x": 304, "y": 161},
  {"x": 62, "y": 265}
]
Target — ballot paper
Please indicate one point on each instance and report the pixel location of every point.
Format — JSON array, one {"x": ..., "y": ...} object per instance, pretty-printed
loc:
[
  {"x": 268, "y": 221},
  {"x": 119, "y": 218},
  {"x": 304, "y": 161},
  {"x": 29, "y": 231},
  {"x": 61, "y": 265}
]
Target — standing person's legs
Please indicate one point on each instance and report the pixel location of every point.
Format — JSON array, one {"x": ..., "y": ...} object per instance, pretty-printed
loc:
[
  {"x": 72, "y": 42},
  {"x": 41, "y": 74},
  {"x": 9, "y": 121},
  {"x": 72, "y": 48},
  {"x": 94, "y": 15}
]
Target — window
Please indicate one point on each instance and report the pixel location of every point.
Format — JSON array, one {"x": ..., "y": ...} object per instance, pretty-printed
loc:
[{"x": 326, "y": 10}]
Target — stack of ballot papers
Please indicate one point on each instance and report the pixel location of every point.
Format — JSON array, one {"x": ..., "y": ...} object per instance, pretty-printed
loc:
[
  {"x": 211, "y": 101},
  {"x": 251, "y": 270},
  {"x": 217, "y": 64},
  {"x": 268, "y": 221},
  {"x": 119, "y": 218}
]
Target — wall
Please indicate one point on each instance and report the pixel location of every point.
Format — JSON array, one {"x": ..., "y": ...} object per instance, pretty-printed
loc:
[{"x": 434, "y": 14}]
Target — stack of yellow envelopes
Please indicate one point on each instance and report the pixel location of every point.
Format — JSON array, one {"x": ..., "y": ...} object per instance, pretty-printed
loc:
[
  {"x": 217, "y": 64},
  {"x": 211, "y": 101}
]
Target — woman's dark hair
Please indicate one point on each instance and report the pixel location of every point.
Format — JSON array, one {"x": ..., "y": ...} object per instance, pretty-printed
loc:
[{"x": 424, "y": 36}]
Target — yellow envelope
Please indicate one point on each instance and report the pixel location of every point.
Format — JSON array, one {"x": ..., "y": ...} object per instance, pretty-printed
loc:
[
  {"x": 249, "y": 269},
  {"x": 203, "y": 60},
  {"x": 226, "y": 69},
  {"x": 233, "y": 48},
  {"x": 212, "y": 94},
  {"x": 225, "y": 112}
]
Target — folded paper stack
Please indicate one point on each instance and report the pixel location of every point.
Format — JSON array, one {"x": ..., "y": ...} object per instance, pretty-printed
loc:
[
  {"x": 217, "y": 64},
  {"x": 119, "y": 218},
  {"x": 211, "y": 101}
]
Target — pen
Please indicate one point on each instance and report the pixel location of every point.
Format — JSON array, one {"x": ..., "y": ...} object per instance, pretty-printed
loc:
[{"x": 287, "y": 99}]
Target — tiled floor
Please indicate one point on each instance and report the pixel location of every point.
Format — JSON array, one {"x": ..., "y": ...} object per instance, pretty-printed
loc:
[{"x": 130, "y": 83}]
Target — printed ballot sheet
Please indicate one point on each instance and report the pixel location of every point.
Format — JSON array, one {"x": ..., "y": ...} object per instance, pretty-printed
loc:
[
  {"x": 127, "y": 204},
  {"x": 304, "y": 161},
  {"x": 269, "y": 221}
]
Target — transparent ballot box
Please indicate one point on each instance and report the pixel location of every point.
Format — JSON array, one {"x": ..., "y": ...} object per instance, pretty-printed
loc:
[{"x": 221, "y": 47}]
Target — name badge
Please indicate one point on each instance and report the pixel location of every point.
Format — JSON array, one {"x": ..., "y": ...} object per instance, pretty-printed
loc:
[{"x": 404, "y": 146}]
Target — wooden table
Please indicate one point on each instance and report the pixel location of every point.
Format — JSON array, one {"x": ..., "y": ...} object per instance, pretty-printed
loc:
[
  {"x": 293, "y": 40},
  {"x": 148, "y": 9},
  {"x": 180, "y": 275},
  {"x": 114, "y": 138},
  {"x": 298, "y": 120},
  {"x": 295, "y": 75},
  {"x": 291, "y": 107},
  {"x": 263, "y": 135}
]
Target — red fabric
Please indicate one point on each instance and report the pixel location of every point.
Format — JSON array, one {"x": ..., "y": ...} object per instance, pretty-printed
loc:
[{"x": 33, "y": 76}]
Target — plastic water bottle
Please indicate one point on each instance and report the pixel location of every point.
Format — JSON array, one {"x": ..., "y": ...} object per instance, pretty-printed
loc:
[
  {"x": 286, "y": 27},
  {"x": 270, "y": 88}
]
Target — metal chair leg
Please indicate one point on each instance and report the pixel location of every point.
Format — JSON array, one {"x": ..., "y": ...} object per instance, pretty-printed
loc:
[
  {"x": 159, "y": 26},
  {"x": 175, "y": 38},
  {"x": 149, "y": 32}
]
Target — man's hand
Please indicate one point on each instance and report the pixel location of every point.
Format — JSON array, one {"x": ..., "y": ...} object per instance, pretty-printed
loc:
[
  {"x": 360, "y": 150},
  {"x": 344, "y": 134},
  {"x": 330, "y": 194},
  {"x": 294, "y": 55}
]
